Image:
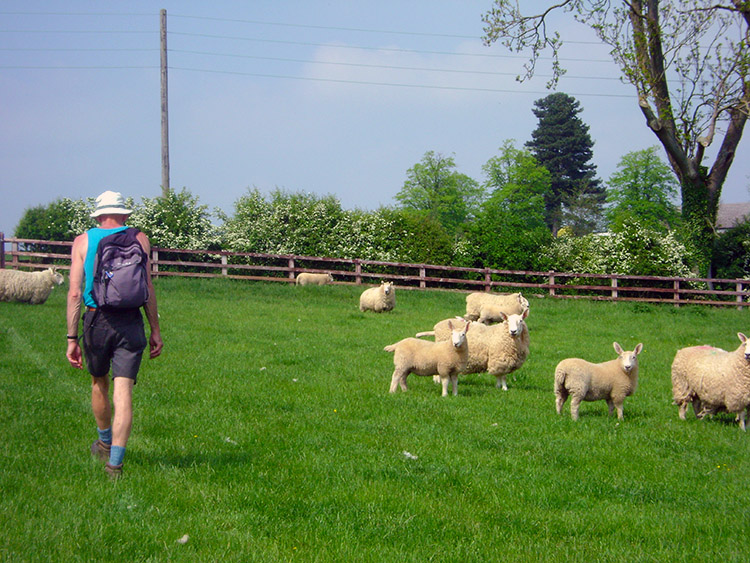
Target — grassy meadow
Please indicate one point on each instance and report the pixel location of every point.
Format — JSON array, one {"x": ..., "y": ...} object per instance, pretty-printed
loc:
[{"x": 265, "y": 432}]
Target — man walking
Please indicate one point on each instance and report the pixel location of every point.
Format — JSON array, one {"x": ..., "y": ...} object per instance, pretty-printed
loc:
[{"x": 113, "y": 339}]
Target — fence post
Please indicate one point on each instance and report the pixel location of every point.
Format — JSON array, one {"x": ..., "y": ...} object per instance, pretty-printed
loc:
[
  {"x": 290, "y": 263},
  {"x": 739, "y": 294},
  {"x": 155, "y": 262},
  {"x": 357, "y": 271},
  {"x": 615, "y": 294},
  {"x": 487, "y": 280},
  {"x": 422, "y": 273},
  {"x": 224, "y": 261},
  {"x": 676, "y": 296},
  {"x": 2, "y": 255},
  {"x": 551, "y": 283},
  {"x": 14, "y": 252}
]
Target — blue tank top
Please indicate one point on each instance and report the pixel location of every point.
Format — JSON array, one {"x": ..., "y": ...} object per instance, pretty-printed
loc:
[{"x": 95, "y": 235}]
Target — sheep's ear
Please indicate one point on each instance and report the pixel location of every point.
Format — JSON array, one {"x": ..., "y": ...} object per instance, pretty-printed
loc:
[
  {"x": 742, "y": 337},
  {"x": 617, "y": 347},
  {"x": 466, "y": 328},
  {"x": 638, "y": 349},
  {"x": 503, "y": 316},
  {"x": 525, "y": 313},
  {"x": 450, "y": 325}
]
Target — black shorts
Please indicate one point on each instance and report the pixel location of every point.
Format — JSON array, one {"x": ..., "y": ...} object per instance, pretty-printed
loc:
[{"x": 113, "y": 339}]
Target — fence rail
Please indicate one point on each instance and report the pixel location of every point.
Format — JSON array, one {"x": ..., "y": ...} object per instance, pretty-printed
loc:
[{"x": 39, "y": 254}]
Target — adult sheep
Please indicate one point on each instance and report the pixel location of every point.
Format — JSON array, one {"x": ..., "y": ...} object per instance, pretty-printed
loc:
[
  {"x": 444, "y": 359},
  {"x": 488, "y": 308},
  {"x": 378, "y": 299},
  {"x": 307, "y": 278},
  {"x": 496, "y": 349},
  {"x": 28, "y": 287},
  {"x": 610, "y": 381},
  {"x": 713, "y": 380}
]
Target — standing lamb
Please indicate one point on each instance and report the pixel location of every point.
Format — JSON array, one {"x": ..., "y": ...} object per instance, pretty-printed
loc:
[
  {"x": 378, "y": 299},
  {"x": 610, "y": 381},
  {"x": 422, "y": 357},
  {"x": 306, "y": 278},
  {"x": 488, "y": 308},
  {"x": 713, "y": 379},
  {"x": 28, "y": 287},
  {"x": 497, "y": 349}
]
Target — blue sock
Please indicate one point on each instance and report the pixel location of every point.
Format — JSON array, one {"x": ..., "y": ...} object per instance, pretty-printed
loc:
[
  {"x": 116, "y": 455},
  {"x": 105, "y": 435}
]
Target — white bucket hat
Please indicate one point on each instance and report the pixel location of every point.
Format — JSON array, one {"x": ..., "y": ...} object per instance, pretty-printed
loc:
[{"x": 111, "y": 203}]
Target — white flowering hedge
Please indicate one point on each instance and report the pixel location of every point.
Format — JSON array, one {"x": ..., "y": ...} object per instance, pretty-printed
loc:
[{"x": 632, "y": 251}]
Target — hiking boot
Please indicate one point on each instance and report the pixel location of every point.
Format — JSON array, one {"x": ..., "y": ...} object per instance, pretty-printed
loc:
[
  {"x": 100, "y": 450},
  {"x": 114, "y": 471}
]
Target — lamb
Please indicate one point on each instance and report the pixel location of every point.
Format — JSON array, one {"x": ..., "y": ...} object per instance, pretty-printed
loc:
[
  {"x": 306, "y": 278},
  {"x": 28, "y": 287},
  {"x": 446, "y": 359},
  {"x": 610, "y": 381},
  {"x": 378, "y": 299},
  {"x": 487, "y": 308},
  {"x": 497, "y": 349},
  {"x": 713, "y": 380}
]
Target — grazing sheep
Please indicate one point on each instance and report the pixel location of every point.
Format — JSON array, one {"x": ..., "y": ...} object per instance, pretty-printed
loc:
[
  {"x": 378, "y": 299},
  {"x": 610, "y": 381},
  {"x": 497, "y": 349},
  {"x": 713, "y": 380},
  {"x": 306, "y": 278},
  {"x": 28, "y": 287},
  {"x": 422, "y": 357},
  {"x": 487, "y": 308}
]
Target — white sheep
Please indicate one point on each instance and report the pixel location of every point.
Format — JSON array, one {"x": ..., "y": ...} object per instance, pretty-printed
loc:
[
  {"x": 713, "y": 380},
  {"x": 497, "y": 349},
  {"x": 610, "y": 381},
  {"x": 378, "y": 299},
  {"x": 28, "y": 287},
  {"x": 487, "y": 308},
  {"x": 445, "y": 359},
  {"x": 307, "y": 278}
]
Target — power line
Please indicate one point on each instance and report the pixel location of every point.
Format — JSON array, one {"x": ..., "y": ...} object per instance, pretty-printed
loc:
[
  {"x": 366, "y": 65},
  {"x": 386, "y": 49},
  {"x": 395, "y": 84}
]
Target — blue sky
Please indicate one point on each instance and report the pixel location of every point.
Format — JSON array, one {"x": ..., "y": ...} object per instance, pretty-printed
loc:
[{"x": 329, "y": 97}]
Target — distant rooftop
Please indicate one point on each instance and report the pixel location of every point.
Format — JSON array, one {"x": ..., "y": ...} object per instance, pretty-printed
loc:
[{"x": 730, "y": 214}]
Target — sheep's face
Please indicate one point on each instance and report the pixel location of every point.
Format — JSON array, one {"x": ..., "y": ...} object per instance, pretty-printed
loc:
[
  {"x": 746, "y": 344},
  {"x": 628, "y": 359},
  {"x": 387, "y": 288},
  {"x": 515, "y": 322},
  {"x": 458, "y": 337},
  {"x": 57, "y": 277}
]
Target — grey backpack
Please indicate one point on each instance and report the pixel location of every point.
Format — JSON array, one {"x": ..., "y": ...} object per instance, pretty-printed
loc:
[{"x": 120, "y": 276}]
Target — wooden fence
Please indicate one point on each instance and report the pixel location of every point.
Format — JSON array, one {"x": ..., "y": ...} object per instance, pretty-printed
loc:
[{"x": 40, "y": 254}]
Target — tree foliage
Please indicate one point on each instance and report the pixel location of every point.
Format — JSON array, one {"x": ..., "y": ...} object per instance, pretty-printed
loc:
[
  {"x": 689, "y": 62},
  {"x": 642, "y": 189},
  {"x": 562, "y": 144},
  {"x": 732, "y": 256},
  {"x": 510, "y": 228},
  {"x": 435, "y": 188}
]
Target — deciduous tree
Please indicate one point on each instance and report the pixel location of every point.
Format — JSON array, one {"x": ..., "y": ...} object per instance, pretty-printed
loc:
[
  {"x": 434, "y": 187},
  {"x": 689, "y": 61},
  {"x": 642, "y": 188}
]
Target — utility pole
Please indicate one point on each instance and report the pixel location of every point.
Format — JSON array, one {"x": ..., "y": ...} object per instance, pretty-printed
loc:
[{"x": 164, "y": 109}]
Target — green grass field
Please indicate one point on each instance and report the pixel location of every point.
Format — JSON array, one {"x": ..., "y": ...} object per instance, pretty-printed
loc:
[{"x": 266, "y": 432}]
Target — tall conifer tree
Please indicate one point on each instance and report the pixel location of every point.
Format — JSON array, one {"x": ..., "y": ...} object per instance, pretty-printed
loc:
[{"x": 562, "y": 144}]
